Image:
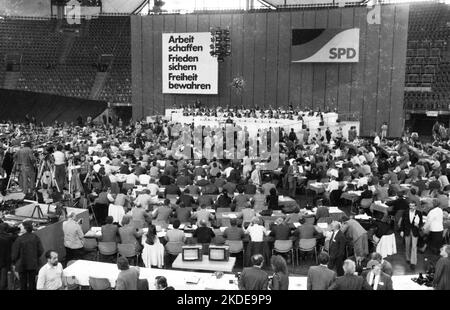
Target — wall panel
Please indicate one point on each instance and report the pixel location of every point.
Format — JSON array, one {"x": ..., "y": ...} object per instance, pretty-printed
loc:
[{"x": 371, "y": 89}]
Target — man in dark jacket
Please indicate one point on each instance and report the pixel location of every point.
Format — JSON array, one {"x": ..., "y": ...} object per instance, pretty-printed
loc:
[
  {"x": 337, "y": 249},
  {"x": 6, "y": 242},
  {"x": 26, "y": 252},
  {"x": 350, "y": 281},
  {"x": 254, "y": 278}
]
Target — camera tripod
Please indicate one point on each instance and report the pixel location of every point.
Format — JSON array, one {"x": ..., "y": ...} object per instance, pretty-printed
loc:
[{"x": 46, "y": 170}]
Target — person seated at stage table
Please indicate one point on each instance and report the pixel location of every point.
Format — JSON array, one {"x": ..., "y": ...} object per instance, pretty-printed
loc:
[
  {"x": 272, "y": 200},
  {"x": 129, "y": 234},
  {"x": 234, "y": 233},
  {"x": 203, "y": 215},
  {"x": 280, "y": 230},
  {"x": 110, "y": 231},
  {"x": 185, "y": 198}
]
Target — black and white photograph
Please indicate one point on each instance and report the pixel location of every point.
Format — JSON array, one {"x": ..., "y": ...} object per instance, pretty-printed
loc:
[{"x": 224, "y": 145}]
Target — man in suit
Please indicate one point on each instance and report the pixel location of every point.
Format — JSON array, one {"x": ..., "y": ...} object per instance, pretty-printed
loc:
[
  {"x": 254, "y": 278},
  {"x": 280, "y": 230},
  {"x": 358, "y": 235},
  {"x": 187, "y": 199},
  {"x": 26, "y": 252},
  {"x": 337, "y": 249},
  {"x": 161, "y": 284},
  {"x": 6, "y": 242},
  {"x": 127, "y": 280},
  {"x": 320, "y": 277},
  {"x": 350, "y": 281},
  {"x": 378, "y": 280},
  {"x": 292, "y": 174},
  {"x": 410, "y": 225}
]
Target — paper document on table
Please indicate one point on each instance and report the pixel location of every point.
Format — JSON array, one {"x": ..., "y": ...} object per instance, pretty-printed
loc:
[
  {"x": 362, "y": 217},
  {"x": 296, "y": 225},
  {"x": 182, "y": 226},
  {"x": 231, "y": 216},
  {"x": 334, "y": 210},
  {"x": 192, "y": 280}
]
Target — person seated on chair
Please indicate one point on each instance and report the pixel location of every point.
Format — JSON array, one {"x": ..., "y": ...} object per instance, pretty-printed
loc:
[
  {"x": 280, "y": 230},
  {"x": 175, "y": 234},
  {"x": 234, "y": 233},
  {"x": 161, "y": 284},
  {"x": 306, "y": 230},
  {"x": 204, "y": 235},
  {"x": 162, "y": 213},
  {"x": 203, "y": 215},
  {"x": 187, "y": 199},
  {"x": 240, "y": 201},
  {"x": 204, "y": 199},
  {"x": 128, "y": 277},
  {"x": 129, "y": 234},
  {"x": 139, "y": 213},
  {"x": 272, "y": 200},
  {"x": 322, "y": 211},
  {"x": 110, "y": 232}
]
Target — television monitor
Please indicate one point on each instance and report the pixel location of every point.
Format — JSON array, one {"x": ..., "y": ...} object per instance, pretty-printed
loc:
[
  {"x": 219, "y": 253},
  {"x": 192, "y": 253}
]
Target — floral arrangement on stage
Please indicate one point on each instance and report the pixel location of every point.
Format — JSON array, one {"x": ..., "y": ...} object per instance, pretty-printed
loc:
[{"x": 238, "y": 84}]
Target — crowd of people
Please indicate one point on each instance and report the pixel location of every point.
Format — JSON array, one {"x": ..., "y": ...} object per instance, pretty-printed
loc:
[{"x": 136, "y": 169}]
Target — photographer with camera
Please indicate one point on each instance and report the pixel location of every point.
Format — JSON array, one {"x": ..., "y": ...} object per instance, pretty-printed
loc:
[{"x": 25, "y": 162}]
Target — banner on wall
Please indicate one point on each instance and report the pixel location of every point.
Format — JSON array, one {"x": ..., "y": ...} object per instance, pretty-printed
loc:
[
  {"x": 188, "y": 67},
  {"x": 325, "y": 45}
]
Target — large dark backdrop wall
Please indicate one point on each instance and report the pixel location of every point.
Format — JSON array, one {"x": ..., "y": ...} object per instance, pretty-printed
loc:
[{"x": 261, "y": 53}]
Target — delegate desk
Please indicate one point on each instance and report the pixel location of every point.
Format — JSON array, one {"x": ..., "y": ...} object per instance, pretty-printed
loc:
[
  {"x": 81, "y": 270},
  {"x": 205, "y": 264}
]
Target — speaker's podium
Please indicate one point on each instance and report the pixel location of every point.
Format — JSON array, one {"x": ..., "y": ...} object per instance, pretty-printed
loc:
[{"x": 218, "y": 259}]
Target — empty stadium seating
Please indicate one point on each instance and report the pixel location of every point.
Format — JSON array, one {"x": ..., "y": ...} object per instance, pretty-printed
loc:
[
  {"x": 427, "y": 63},
  {"x": 43, "y": 43}
]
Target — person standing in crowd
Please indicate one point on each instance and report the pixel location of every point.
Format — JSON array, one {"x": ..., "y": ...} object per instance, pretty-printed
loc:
[
  {"x": 292, "y": 174},
  {"x": 441, "y": 279},
  {"x": 25, "y": 161},
  {"x": 73, "y": 238},
  {"x": 337, "y": 249},
  {"x": 358, "y": 235},
  {"x": 384, "y": 129},
  {"x": 26, "y": 253},
  {"x": 51, "y": 275},
  {"x": 280, "y": 278},
  {"x": 350, "y": 281},
  {"x": 254, "y": 278},
  {"x": 60, "y": 167},
  {"x": 6, "y": 242},
  {"x": 434, "y": 227},
  {"x": 127, "y": 280},
  {"x": 320, "y": 277},
  {"x": 410, "y": 226}
]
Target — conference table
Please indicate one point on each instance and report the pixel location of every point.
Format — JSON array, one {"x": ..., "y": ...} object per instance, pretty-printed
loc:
[
  {"x": 81, "y": 270},
  {"x": 205, "y": 264}
]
